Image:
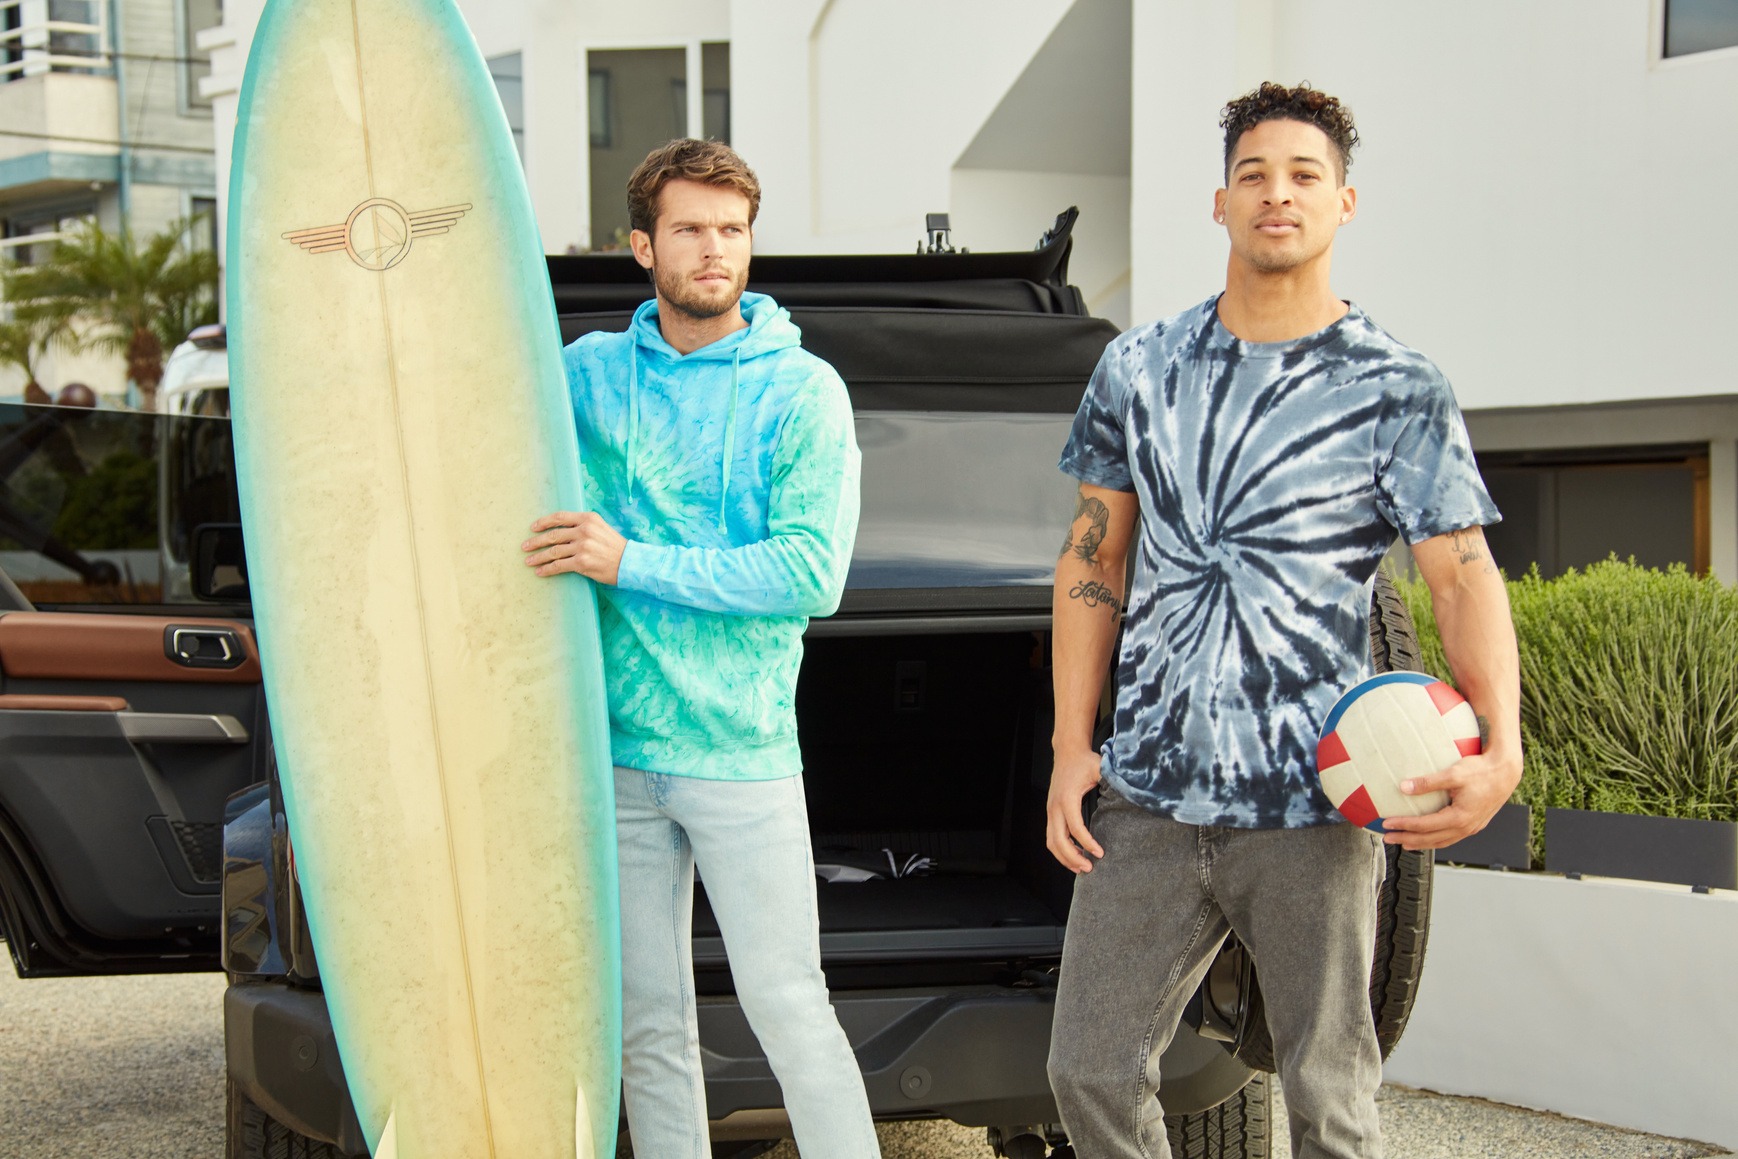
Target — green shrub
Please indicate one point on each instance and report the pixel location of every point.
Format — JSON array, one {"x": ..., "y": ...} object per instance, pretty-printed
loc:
[
  {"x": 1629, "y": 689},
  {"x": 112, "y": 507}
]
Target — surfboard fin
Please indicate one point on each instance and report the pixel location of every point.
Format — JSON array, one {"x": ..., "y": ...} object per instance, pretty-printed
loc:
[
  {"x": 388, "y": 1146},
  {"x": 583, "y": 1146}
]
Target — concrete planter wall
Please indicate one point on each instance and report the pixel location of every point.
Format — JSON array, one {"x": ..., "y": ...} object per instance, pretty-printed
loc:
[{"x": 1597, "y": 998}]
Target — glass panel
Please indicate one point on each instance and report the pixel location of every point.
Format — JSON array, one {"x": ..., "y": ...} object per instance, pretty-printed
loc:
[
  {"x": 58, "y": 217},
  {"x": 196, "y": 17},
  {"x": 509, "y": 74},
  {"x": 63, "y": 42},
  {"x": 11, "y": 52},
  {"x": 960, "y": 500},
  {"x": 97, "y": 506},
  {"x": 639, "y": 115},
  {"x": 715, "y": 90},
  {"x": 204, "y": 232},
  {"x": 598, "y": 107},
  {"x": 1700, "y": 26}
]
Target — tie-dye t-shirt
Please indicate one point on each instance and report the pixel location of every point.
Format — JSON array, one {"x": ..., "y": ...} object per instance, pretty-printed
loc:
[{"x": 1272, "y": 478}]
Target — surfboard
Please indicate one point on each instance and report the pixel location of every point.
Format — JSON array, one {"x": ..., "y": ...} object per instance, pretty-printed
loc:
[{"x": 401, "y": 417}]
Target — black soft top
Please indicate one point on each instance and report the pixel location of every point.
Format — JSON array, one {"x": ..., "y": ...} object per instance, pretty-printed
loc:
[{"x": 927, "y": 332}]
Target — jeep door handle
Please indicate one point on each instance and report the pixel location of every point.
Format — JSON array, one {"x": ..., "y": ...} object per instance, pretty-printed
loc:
[
  {"x": 181, "y": 728},
  {"x": 203, "y": 646}
]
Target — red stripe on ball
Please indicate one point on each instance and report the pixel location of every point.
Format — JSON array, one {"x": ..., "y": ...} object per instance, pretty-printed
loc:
[
  {"x": 1445, "y": 698},
  {"x": 1331, "y": 751},
  {"x": 1358, "y": 808},
  {"x": 1469, "y": 746}
]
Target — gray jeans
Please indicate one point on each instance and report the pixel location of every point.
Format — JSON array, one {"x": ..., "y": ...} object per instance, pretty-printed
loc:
[{"x": 1144, "y": 927}]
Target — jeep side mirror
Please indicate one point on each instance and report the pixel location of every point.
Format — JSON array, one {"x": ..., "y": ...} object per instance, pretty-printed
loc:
[{"x": 219, "y": 566}]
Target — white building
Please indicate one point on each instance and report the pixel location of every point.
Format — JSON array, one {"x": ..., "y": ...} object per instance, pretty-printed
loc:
[
  {"x": 1543, "y": 186},
  {"x": 102, "y": 118}
]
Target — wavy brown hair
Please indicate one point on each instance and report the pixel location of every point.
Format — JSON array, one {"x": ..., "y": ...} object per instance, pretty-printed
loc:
[
  {"x": 1275, "y": 102},
  {"x": 688, "y": 159}
]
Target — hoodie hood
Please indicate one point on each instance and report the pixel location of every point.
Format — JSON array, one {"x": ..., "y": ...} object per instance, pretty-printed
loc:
[{"x": 769, "y": 330}]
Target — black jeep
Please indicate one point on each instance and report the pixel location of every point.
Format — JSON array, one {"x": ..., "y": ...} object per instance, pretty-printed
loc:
[{"x": 141, "y": 828}]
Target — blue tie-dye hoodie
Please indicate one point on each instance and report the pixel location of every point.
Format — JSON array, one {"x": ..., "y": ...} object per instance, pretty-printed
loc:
[{"x": 733, "y": 472}]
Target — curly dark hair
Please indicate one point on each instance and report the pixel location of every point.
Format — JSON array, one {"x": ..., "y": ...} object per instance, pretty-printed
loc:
[
  {"x": 688, "y": 159},
  {"x": 1275, "y": 102}
]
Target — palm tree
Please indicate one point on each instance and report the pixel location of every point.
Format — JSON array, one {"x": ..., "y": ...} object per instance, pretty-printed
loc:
[
  {"x": 23, "y": 339},
  {"x": 19, "y": 345},
  {"x": 119, "y": 297}
]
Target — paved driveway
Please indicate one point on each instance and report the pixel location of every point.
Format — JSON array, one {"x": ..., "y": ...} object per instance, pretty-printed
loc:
[{"x": 132, "y": 1068}]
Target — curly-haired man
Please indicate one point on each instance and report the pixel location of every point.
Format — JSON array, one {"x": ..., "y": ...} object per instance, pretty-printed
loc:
[
  {"x": 1273, "y": 441},
  {"x": 721, "y": 461}
]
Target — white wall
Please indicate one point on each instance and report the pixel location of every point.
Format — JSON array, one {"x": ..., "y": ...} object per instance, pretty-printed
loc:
[
  {"x": 853, "y": 112},
  {"x": 1541, "y": 199},
  {"x": 1007, "y": 209},
  {"x": 554, "y": 36}
]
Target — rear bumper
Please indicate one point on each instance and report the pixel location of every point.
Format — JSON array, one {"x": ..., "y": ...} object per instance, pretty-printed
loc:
[{"x": 973, "y": 1054}]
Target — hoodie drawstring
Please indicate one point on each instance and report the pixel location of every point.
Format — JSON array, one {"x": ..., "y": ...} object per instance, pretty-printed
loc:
[
  {"x": 729, "y": 439},
  {"x": 633, "y": 411}
]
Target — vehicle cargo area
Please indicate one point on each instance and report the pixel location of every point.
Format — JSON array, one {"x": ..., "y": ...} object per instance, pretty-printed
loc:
[{"x": 926, "y": 759}]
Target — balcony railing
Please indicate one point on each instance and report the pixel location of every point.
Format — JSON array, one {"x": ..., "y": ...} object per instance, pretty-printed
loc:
[{"x": 43, "y": 36}]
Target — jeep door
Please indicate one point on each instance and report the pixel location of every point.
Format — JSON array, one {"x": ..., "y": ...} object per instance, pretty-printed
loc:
[{"x": 129, "y": 712}]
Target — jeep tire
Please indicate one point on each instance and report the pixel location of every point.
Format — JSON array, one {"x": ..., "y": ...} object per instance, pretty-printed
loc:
[
  {"x": 1239, "y": 1128},
  {"x": 1403, "y": 909},
  {"x": 253, "y": 1134}
]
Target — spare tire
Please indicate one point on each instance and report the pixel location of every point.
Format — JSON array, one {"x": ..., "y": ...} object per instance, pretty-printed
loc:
[
  {"x": 1239, "y": 1128},
  {"x": 1403, "y": 909}
]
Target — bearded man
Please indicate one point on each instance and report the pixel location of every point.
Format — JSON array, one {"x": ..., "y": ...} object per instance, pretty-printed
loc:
[{"x": 721, "y": 464}]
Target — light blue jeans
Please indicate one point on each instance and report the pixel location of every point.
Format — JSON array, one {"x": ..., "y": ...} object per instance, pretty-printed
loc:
[{"x": 750, "y": 840}]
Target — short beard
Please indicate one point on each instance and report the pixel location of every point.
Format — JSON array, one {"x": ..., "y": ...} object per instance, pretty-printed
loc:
[{"x": 688, "y": 301}]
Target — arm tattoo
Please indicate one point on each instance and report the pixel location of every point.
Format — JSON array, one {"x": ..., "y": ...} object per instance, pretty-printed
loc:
[
  {"x": 1094, "y": 594},
  {"x": 1097, "y": 516},
  {"x": 1484, "y": 732},
  {"x": 1466, "y": 548}
]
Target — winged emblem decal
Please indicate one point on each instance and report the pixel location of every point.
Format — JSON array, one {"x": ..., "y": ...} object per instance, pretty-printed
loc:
[{"x": 378, "y": 232}]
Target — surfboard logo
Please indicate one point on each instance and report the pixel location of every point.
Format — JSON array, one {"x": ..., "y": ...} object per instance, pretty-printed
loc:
[{"x": 378, "y": 232}]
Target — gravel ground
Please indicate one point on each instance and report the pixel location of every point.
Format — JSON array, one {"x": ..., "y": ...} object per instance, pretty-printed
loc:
[
  {"x": 132, "y": 1068},
  {"x": 111, "y": 1068}
]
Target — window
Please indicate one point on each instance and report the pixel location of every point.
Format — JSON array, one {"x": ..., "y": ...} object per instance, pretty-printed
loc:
[
  {"x": 101, "y": 504},
  {"x": 1567, "y": 509},
  {"x": 67, "y": 41},
  {"x": 638, "y": 114},
  {"x": 598, "y": 107},
  {"x": 11, "y": 50},
  {"x": 509, "y": 74},
  {"x": 636, "y": 99},
  {"x": 715, "y": 90},
  {"x": 203, "y": 211},
  {"x": 1700, "y": 26},
  {"x": 196, "y": 17},
  {"x": 28, "y": 235},
  {"x": 51, "y": 36}
]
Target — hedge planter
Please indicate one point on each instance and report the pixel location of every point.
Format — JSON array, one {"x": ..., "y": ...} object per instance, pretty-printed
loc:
[
  {"x": 1702, "y": 854},
  {"x": 1500, "y": 845}
]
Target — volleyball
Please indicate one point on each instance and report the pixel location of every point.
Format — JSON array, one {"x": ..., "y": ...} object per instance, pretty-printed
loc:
[{"x": 1383, "y": 731}]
